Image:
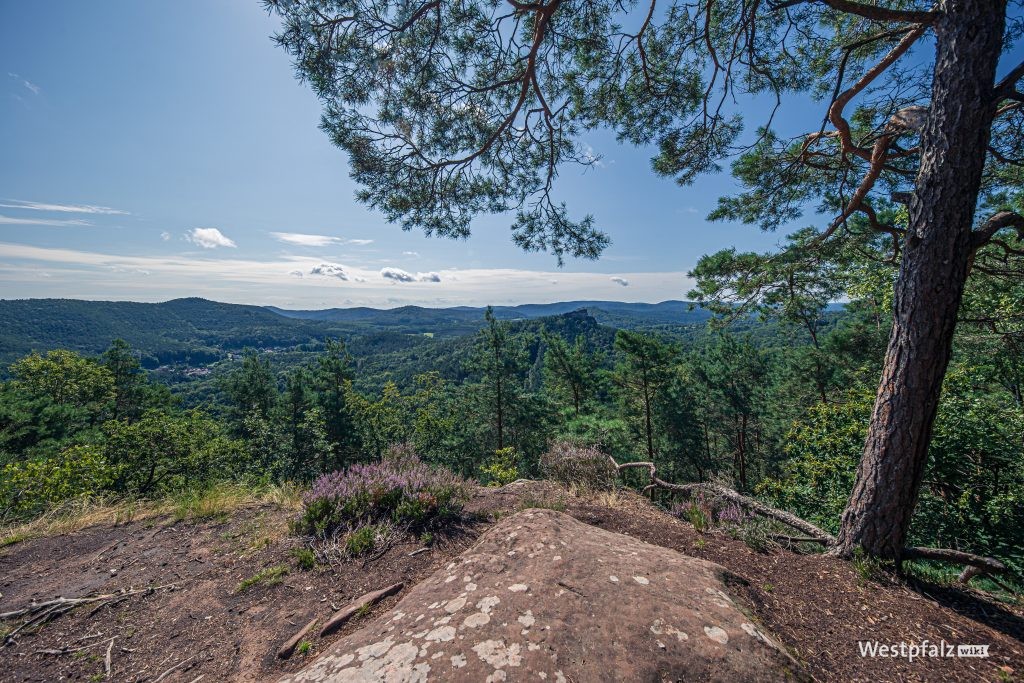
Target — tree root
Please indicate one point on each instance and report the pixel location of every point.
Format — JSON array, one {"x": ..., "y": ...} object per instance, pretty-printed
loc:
[
  {"x": 364, "y": 602},
  {"x": 975, "y": 564}
]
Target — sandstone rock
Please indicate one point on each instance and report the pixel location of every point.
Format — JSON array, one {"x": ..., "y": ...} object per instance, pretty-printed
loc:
[{"x": 544, "y": 597}]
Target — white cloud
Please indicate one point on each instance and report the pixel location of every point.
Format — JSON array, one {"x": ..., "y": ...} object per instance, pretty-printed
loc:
[
  {"x": 329, "y": 270},
  {"x": 620, "y": 280},
  {"x": 209, "y": 238},
  {"x": 165, "y": 236},
  {"x": 295, "y": 273},
  {"x": 63, "y": 208},
  {"x": 35, "y": 89},
  {"x": 11, "y": 220},
  {"x": 411, "y": 254},
  {"x": 396, "y": 274},
  {"x": 591, "y": 157},
  {"x": 304, "y": 240},
  {"x": 399, "y": 275},
  {"x": 87, "y": 275}
]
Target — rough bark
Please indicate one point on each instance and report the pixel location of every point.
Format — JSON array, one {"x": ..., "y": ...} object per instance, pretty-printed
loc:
[{"x": 931, "y": 279}]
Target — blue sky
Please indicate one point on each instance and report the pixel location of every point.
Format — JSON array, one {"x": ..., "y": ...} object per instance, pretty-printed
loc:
[{"x": 153, "y": 150}]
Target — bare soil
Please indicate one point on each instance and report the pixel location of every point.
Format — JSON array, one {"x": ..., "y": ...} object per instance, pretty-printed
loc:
[{"x": 200, "y": 626}]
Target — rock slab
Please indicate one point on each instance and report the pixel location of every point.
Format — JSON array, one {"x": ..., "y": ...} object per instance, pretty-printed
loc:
[{"x": 544, "y": 597}]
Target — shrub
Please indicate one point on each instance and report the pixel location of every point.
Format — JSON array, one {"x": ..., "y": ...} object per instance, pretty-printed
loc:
[
  {"x": 32, "y": 486},
  {"x": 400, "y": 488},
  {"x": 697, "y": 517},
  {"x": 362, "y": 540},
  {"x": 577, "y": 466},
  {"x": 305, "y": 558},
  {"x": 169, "y": 451},
  {"x": 501, "y": 468}
]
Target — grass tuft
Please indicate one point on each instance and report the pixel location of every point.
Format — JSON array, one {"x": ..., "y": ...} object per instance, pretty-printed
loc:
[{"x": 270, "y": 576}]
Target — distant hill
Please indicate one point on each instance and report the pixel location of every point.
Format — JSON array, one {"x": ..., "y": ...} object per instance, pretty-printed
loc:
[
  {"x": 614, "y": 313},
  {"x": 193, "y": 329},
  {"x": 198, "y": 331}
]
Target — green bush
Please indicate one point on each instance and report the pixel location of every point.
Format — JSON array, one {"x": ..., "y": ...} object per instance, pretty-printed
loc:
[
  {"x": 170, "y": 451},
  {"x": 501, "y": 468},
  {"x": 32, "y": 486},
  {"x": 362, "y": 540}
]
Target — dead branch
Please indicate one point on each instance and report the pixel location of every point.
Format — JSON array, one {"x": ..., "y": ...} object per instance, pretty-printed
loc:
[
  {"x": 756, "y": 506},
  {"x": 983, "y": 565},
  {"x": 176, "y": 666},
  {"x": 108, "y": 659},
  {"x": 797, "y": 539},
  {"x": 41, "y": 612},
  {"x": 342, "y": 616}
]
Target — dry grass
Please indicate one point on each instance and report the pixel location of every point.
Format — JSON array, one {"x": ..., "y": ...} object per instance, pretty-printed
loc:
[
  {"x": 608, "y": 499},
  {"x": 216, "y": 502}
]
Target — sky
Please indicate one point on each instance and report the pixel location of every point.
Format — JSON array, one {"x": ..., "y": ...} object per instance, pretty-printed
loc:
[{"x": 156, "y": 150}]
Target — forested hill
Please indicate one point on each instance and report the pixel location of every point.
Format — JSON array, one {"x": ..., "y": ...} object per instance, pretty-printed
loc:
[
  {"x": 613, "y": 313},
  {"x": 194, "y": 329},
  {"x": 200, "y": 331}
]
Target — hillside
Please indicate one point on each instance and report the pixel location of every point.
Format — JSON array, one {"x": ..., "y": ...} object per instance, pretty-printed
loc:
[
  {"x": 614, "y": 313},
  {"x": 229, "y": 591},
  {"x": 199, "y": 331},
  {"x": 194, "y": 329}
]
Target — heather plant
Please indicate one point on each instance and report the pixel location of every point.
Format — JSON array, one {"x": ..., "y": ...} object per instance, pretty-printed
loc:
[
  {"x": 731, "y": 513},
  {"x": 400, "y": 488},
  {"x": 699, "y": 511},
  {"x": 362, "y": 540},
  {"x": 584, "y": 468}
]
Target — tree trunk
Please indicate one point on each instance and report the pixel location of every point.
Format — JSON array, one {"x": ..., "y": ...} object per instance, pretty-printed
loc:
[
  {"x": 931, "y": 278},
  {"x": 647, "y": 418}
]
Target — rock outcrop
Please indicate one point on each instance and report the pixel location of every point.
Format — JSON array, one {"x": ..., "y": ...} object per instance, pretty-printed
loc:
[{"x": 544, "y": 597}]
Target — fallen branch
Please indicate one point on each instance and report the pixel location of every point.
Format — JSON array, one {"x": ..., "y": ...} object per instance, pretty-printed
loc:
[
  {"x": 168, "y": 672},
  {"x": 41, "y": 612},
  {"x": 979, "y": 562},
  {"x": 108, "y": 659},
  {"x": 797, "y": 539},
  {"x": 289, "y": 647},
  {"x": 757, "y": 506},
  {"x": 342, "y": 616}
]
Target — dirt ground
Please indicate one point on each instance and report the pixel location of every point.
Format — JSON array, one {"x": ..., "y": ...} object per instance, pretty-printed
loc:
[{"x": 199, "y": 626}]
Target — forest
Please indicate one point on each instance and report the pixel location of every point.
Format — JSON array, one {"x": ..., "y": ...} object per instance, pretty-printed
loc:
[{"x": 771, "y": 399}]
